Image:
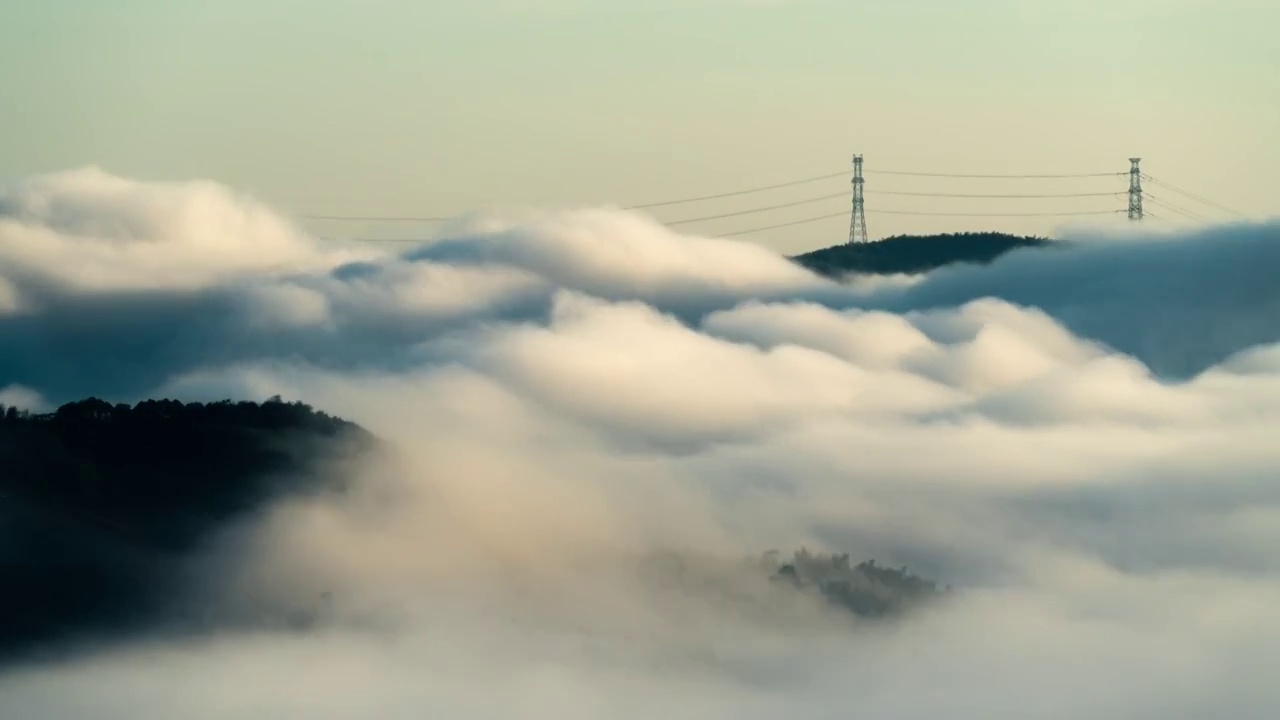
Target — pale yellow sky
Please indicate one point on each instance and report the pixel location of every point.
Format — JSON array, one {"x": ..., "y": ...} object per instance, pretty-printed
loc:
[{"x": 433, "y": 108}]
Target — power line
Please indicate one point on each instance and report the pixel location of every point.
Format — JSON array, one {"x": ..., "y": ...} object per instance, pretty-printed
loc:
[
  {"x": 1185, "y": 213},
  {"x": 735, "y": 193},
  {"x": 645, "y": 206},
  {"x": 817, "y": 178},
  {"x": 836, "y": 215},
  {"x": 1181, "y": 211},
  {"x": 807, "y": 201},
  {"x": 1025, "y": 177},
  {"x": 728, "y": 234},
  {"x": 763, "y": 188},
  {"x": 820, "y": 217},
  {"x": 888, "y": 192},
  {"x": 1029, "y": 214},
  {"x": 963, "y": 195},
  {"x": 1192, "y": 195},
  {"x": 814, "y": 219},
  {"x": 782, "y": 225}
]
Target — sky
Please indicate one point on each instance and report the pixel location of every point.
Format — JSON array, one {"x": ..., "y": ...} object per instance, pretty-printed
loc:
[{"x": 385, "y": 107}]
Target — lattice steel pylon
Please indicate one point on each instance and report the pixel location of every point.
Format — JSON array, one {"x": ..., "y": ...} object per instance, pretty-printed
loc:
[
  {"x": 1135, "y": 190},
  {"x": 858, "y": 221}
]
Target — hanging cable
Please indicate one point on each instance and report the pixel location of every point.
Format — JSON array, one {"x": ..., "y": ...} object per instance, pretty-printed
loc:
[
  {"x": 808, "y": 201},
  {"x": 778, "y": 186},
  {"x": 963, "y": 195},
  {"x": 645, "y": 206},
  {"x": 782, "y": 225},
  {"x": 1023, "y": 177},
  {"x": 1171, "y": 208},
  {"x": 1027, "y": 214},
  {"x": 1192, "y": 195},
  {"x": 735, "y": 193},
  {"x": 905, "y": 212}
]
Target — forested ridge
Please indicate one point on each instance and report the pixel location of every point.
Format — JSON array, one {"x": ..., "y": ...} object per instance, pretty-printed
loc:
[
  {"x": 103, "y": 507},
  {"x": 912, "y": 254},
  {"x": 101, "y": 503}
]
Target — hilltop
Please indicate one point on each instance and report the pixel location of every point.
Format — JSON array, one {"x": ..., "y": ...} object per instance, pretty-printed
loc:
[{"x": 912, "y": 254}]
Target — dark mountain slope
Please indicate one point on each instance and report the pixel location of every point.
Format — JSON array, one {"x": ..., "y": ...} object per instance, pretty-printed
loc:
[
  {"x": 105, "y": 512},
  {"x": 911, "y": 254},
  {"x": 102, "y": 506}
]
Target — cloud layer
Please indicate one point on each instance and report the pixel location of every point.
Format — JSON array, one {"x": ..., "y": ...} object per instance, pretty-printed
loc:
[{"x": 1081, "y": 440}]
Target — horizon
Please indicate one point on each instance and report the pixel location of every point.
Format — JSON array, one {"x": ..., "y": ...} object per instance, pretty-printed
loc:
[{"x": 389, "y": 109}]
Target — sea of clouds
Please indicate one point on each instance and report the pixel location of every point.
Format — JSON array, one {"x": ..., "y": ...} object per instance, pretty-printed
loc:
[{"x": 1081, "y": 440}]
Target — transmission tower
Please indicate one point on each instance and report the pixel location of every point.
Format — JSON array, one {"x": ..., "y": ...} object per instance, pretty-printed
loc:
[
  {"x": 1135, "y": 190},
  {"x": 858, "y": 221}
]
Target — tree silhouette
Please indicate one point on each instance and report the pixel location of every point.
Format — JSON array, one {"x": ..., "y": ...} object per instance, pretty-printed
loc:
[
  {"x": 910, "y": 254},
  {"x": 865, "y": 589},
  {"x": 101, "y": 503}
]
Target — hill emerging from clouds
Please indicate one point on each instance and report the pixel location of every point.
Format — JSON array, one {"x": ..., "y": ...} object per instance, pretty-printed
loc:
[
  {"x": 914, "y": 254},
  {"x": 107, "y": 513},
  {"x": 102, "y": 505}
]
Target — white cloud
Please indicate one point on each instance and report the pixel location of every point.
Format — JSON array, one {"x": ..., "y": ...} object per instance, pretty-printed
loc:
[
  {"x": 573, "y": 391},
  {"x": 23, "y": 398},
  {"x": 10, "y": 299},
  {"x": 874, "y": 340},
  {"x": 90, "y": 231},
  {"x": 283, "y": 305},
  {"x": 618, "y": 255}
]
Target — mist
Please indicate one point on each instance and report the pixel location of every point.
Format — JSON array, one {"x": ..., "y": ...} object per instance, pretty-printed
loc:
[{"x": 596, "y": 422}]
